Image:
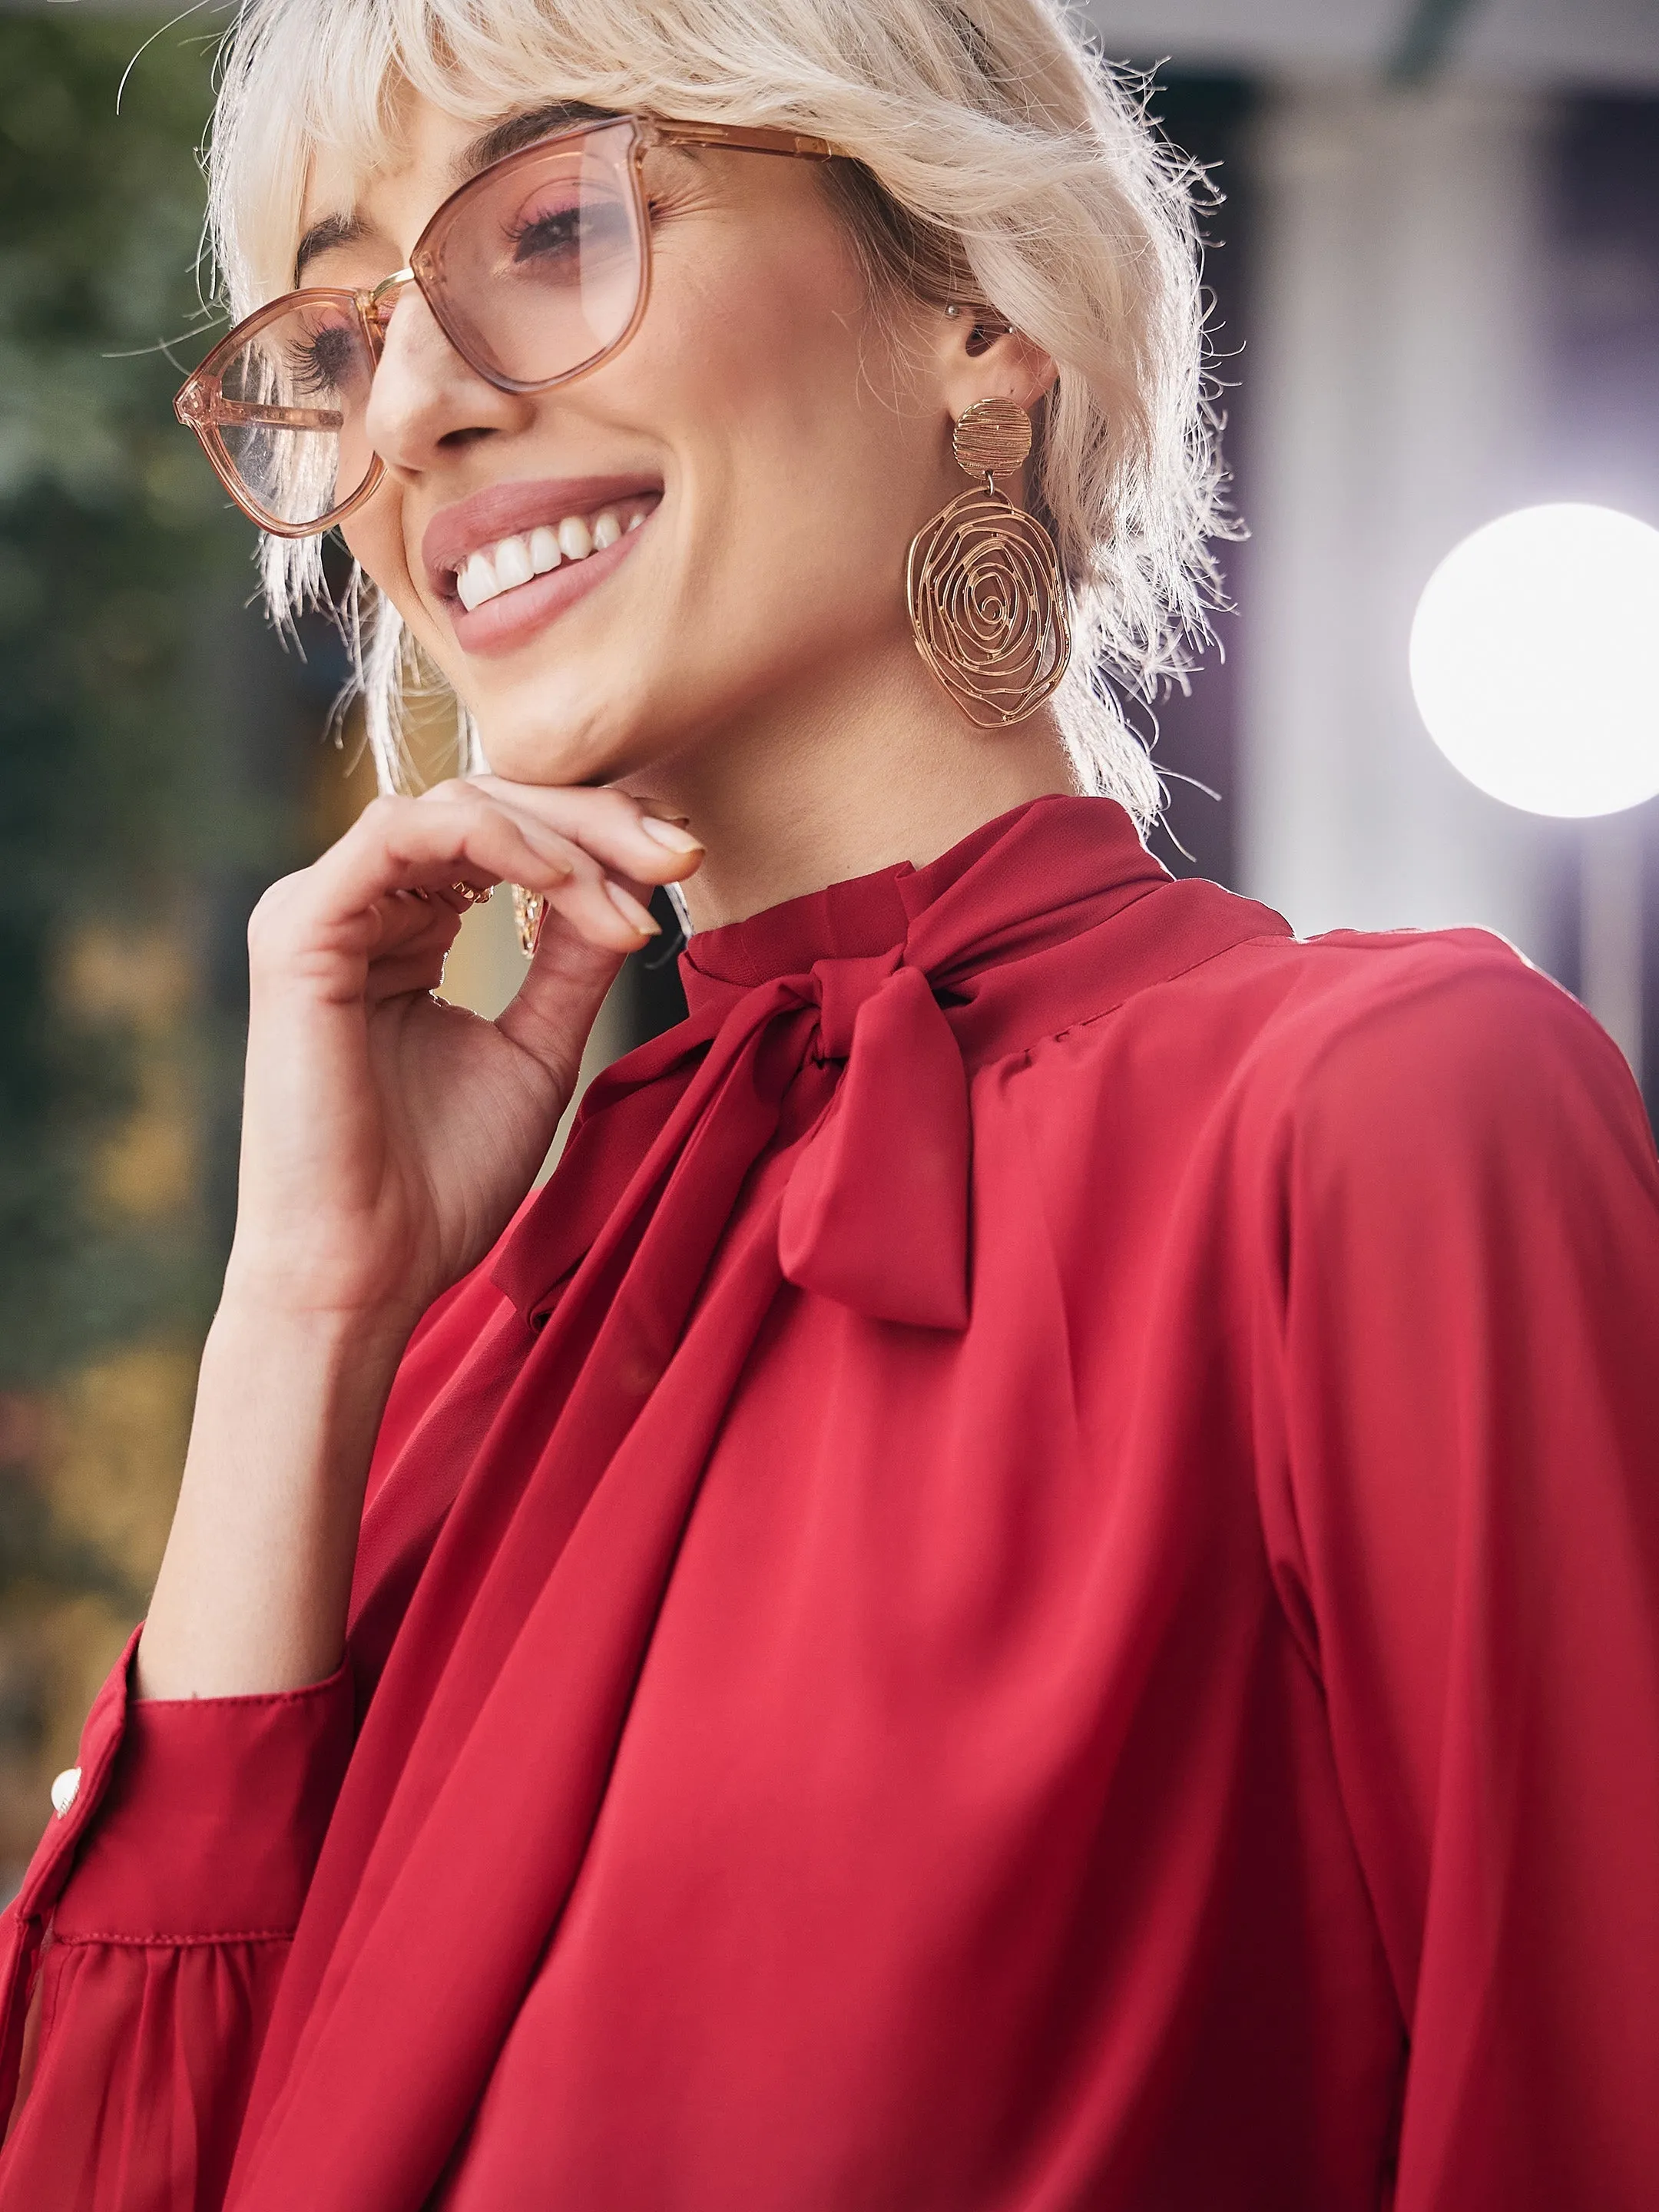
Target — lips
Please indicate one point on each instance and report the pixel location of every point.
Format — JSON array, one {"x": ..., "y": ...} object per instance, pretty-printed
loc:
[
  {"x": 517, "y": 510},
  {"x": 512, "y": 562}
]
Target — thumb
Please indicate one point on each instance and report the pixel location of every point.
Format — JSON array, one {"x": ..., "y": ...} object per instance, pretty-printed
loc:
[{"x": 555, "y": 1007}]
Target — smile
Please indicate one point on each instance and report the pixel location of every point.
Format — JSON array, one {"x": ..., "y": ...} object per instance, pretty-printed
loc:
[
  {"x": 516, "y": 555},
  {"x": 492, "y": 571}
]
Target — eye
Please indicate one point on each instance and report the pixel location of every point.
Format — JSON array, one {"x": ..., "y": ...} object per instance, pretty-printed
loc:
[
  {"x": 326, "y": 360},
  {"x": 555, "y": 240}
]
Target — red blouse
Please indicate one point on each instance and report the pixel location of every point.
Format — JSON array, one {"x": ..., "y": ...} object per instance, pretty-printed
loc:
[{"x": 1032, "y": 1583}]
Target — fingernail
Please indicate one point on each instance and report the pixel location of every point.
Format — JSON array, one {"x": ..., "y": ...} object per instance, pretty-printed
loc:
[
  {"x": 632, "y": 912},
  {"x": 671, "y": 834}
]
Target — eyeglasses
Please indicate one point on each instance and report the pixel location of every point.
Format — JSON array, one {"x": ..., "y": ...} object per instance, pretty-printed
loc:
[{"x": 537, "y": 271}]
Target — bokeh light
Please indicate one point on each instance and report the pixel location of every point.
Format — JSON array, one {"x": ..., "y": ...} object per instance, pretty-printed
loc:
[{"x": 1534, "y": 659}]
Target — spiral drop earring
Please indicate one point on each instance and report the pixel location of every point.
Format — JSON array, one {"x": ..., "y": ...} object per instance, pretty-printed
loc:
[
  {"x": 529, "y": 911},
  {"x": 987, "y": 599}
]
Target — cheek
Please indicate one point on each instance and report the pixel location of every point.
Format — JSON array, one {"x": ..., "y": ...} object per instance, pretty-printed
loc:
[
  {"x": 374, "y": 538},
  {"x": 804, "y": 452}
]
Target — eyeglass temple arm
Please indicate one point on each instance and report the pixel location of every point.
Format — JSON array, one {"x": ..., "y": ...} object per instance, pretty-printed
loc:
[
  {"x": 198, "y": 404},
  {"x": 742, "y": 138}
]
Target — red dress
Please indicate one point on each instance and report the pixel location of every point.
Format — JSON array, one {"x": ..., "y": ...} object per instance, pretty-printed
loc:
[{"x": 1031, "y": 1584}]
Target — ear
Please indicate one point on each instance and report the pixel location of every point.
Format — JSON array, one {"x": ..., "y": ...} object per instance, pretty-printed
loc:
[{"x": 980, "y": 357}]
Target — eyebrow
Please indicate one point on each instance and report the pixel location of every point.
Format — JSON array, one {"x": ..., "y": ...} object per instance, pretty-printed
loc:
[
  {"x": 333, "y": 230},
  {"x": 492, "y": 145},
  {"x": 517, "y": 131}
]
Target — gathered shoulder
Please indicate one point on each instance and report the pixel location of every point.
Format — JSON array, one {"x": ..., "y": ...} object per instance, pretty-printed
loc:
[
  {"x": 1356, "y": 1046},
  {"x": 1378, "y": 1045}
]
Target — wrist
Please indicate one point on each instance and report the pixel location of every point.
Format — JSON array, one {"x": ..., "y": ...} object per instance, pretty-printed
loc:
[
  {"x": 364, "y": 1343},
  {"x": 267, "y": 1300},
  {"x": 254, "y": 1589}
]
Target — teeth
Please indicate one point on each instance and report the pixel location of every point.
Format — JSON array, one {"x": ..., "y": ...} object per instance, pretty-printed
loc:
[
  {"x": 476, "y": 583},
  {"x": 512, "y": 564},
  {"x": 502, "y": 567}
]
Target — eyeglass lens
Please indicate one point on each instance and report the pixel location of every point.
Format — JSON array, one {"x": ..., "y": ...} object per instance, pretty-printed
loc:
[
  {"x": 535, "y": 272},
  {"x": 291, "y": 409}
]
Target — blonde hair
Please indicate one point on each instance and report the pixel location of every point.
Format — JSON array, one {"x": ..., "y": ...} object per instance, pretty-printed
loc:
[{"x": 992, "y": 149}]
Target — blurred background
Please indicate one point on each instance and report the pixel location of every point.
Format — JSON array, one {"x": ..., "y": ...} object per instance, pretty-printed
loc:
[{"x": 1435, "y": 260}]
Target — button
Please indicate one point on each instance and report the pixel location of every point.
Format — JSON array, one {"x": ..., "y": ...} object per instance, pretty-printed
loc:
[{"x": 65, "y": 1790}]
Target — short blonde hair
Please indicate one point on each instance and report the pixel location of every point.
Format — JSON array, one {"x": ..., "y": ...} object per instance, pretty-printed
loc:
[{"x": 991, "y": 147}]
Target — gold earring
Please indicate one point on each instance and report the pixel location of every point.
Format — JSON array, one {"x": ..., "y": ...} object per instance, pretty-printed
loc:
[
  {"x": 528, "y": 910},
  {"x": 986, "y": 600}
]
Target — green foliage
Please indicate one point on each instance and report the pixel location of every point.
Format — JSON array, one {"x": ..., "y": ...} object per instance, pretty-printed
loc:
[{"x": 117, "y": 547}]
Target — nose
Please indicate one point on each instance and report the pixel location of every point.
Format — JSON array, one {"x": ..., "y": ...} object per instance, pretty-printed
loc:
[{"x": 424, "y": 398}]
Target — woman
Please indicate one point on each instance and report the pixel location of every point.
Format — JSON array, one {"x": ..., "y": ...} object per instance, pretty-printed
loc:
[{"x": 1033, "y": 1580}]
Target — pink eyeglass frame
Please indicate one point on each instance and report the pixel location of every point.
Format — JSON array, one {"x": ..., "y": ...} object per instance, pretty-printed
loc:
[{"x": 201, "y": 404}]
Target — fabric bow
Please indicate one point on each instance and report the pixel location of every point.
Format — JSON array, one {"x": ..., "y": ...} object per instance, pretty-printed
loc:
[
  {"x": 865, "y": 1085},
  {"x": 875, "y": 1214}
]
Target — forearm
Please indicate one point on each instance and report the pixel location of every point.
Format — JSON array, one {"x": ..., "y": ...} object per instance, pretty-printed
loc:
[
  {"x": 364, "y": 1194},
  {"x": 255, "y": 1582}
]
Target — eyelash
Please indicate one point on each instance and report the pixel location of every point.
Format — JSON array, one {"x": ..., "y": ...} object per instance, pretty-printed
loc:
[
  {"x": 531, "y": 225},
  {"x": 310, "y": 374}
]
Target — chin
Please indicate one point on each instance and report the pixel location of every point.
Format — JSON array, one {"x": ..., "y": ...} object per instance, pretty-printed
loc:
[{"x": 558, "y": 730}]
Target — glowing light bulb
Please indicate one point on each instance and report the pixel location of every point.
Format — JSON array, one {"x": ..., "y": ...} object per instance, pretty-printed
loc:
[{"x": 1534, "y": 659}]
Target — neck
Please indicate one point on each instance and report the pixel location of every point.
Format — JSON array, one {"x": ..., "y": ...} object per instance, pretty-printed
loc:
[{"x": 853, "y": 773}]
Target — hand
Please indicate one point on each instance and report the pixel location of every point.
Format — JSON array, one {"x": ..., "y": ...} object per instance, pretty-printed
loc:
[{"x": 388, "y": 1136}]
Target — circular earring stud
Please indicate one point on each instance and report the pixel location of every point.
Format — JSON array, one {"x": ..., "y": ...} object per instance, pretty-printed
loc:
[{"x": 992, "y": 435}]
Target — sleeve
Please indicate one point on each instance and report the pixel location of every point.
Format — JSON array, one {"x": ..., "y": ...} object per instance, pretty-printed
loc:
[
  {"x": 1469, "y": 1248},
  {"x": 142, "y": 1954}
]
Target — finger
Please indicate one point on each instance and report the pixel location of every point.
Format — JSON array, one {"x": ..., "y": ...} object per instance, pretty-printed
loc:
[
  {"x": 460, "y": 896},
  {"x": 589, "y": 897},
  {"x": 565, "y": 981},
  {"x": 398, "y": 927},
  {"x": 600, "y": 909},
  {"x": 411, "y": 917},
  {"x": 413, "y": 925},
  {"x": 404, "y": 975},
  {"x": 615, "y": 838},
  {"x": 403, "y": 844},
  {"x": 620, "y": 832},
  {"x": 608, "y": 914}
]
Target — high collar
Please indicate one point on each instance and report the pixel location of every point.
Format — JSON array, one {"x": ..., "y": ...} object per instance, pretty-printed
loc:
[
  {"x": 850, "y": 1023},
  {"x": 1025, "y": 870}
]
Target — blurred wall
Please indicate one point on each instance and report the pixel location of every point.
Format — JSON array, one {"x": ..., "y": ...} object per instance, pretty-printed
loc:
[
  {"x": 1603, "y": 407},
  {"x": 1455, "y": 313},
  {"x": 1397, "y": 383},
  {"x": 155, "y": 748}
]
